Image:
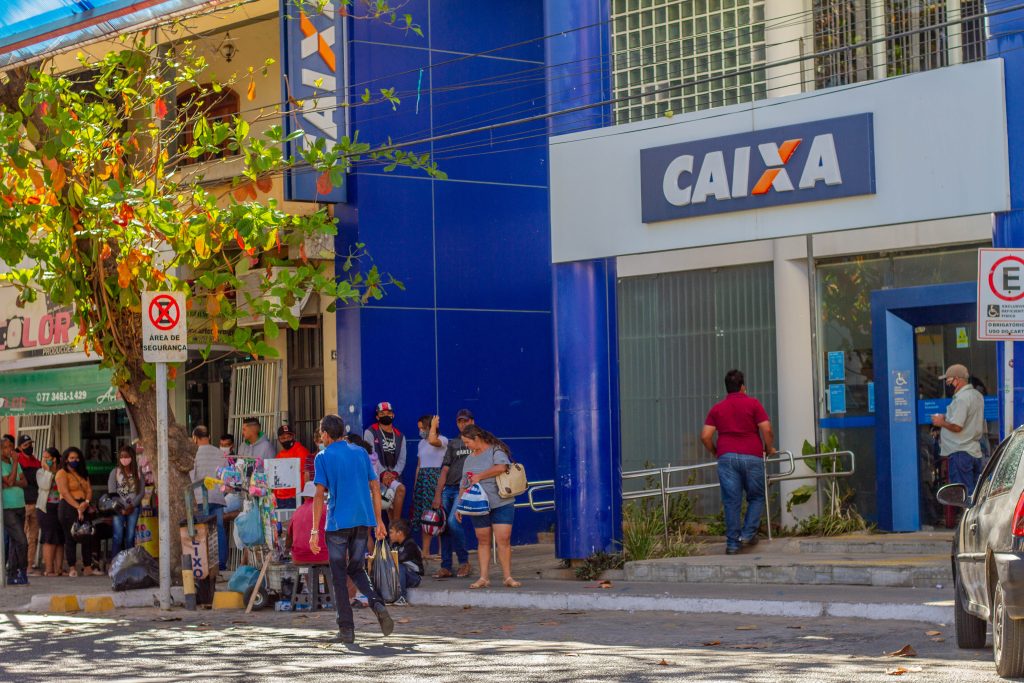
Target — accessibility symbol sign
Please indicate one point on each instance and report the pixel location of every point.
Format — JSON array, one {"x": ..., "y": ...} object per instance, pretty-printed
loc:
[
  {"x": 1001, "y": 294},
  {"x": 164, "y": 334}
]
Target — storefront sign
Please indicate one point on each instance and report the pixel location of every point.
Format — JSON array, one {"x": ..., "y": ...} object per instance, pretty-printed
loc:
[
  {"x": 78, "y": 389},
  {"x": 164, "y": 337},
  {"x": 1000, "y": 294},
  {"x": 808, "y": 162},
  {"x": 837, "y": 399},
  {"x": 902, "y": 396},
  {"x": 313, "y": 49},
  {"x": 836, "y": 366},
  {"x": 39, "y": 330}
]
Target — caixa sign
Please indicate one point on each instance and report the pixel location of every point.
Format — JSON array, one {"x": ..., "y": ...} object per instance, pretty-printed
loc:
[
  {"x": 807, "y": 162},
  {"x": 312, "y": 44}
]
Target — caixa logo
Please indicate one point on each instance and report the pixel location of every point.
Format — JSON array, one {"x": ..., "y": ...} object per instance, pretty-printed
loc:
[{"x": 807, "y": 162}]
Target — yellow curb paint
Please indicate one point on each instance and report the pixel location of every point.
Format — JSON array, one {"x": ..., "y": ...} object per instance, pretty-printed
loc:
[
  {"x": 102, "y": 603},
  {"x": 64, "y": 603},
  {"x": 228, "y": 600}
]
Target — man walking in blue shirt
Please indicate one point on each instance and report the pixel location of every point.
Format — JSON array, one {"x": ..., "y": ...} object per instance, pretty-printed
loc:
[{"x": 344, "y": 471}]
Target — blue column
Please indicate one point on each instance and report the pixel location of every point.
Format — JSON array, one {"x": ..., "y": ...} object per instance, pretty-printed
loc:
[
  {"x": 1006, "y": 42},
  {"x": 588, "y": 484}
]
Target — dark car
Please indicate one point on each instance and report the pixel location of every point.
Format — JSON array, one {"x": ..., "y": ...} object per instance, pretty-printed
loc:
[{"x": 988, "y": 557}]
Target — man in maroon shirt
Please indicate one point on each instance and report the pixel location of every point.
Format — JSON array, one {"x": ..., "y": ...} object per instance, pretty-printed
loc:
[{"x": 744, "y": 436}]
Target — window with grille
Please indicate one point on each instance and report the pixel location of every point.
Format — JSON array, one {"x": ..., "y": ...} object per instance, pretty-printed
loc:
[
  {"x": 840, "y": 24},
  {"x": 215, "y": 106},
  {"x": 686, "y": 55}
]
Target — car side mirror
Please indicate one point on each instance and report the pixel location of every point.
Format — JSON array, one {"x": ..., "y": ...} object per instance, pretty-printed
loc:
[{"x": 954, "y": 495}]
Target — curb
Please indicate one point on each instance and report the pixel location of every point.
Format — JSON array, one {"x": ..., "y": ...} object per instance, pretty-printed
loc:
[
  {"x": 138, "y": 598},
  {"x": 940, "y": 613}
]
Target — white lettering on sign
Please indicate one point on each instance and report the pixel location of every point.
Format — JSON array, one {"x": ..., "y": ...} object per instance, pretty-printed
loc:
[
  {"x": 822, "y": 165},
  {"x": 164, "y": 334},
  {"x": 1001, "y": 294}
]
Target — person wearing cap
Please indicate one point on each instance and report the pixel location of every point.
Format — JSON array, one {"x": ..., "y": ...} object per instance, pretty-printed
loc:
[
  {"x": 961, "y": 428},
  {"x": 446, "y": 495},
  {"x": 388, "y": 455},
  {"x": 209, "y": 459},
  {"x": 290, "y": 448},
  {"x": 254, "y": 443},
  {"x": 30, "y": 464}
]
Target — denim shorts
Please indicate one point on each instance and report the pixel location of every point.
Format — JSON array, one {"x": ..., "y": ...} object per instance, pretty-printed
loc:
[{"x": 502, "y": 515}]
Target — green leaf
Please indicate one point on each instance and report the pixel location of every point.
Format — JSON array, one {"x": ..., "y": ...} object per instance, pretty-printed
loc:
[{"x": 270, "y": 329}]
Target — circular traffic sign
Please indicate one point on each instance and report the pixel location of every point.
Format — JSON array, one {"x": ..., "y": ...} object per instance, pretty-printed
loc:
[
  {"x": 164, "y": 312},
  {"x": 1003, "y": 292}
]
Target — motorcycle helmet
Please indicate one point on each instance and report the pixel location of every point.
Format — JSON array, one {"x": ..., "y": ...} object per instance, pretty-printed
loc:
[
  {"x": 387, "y": 497},
  {"x": 82, "y": 530},
  {"x": 110, "y": 503},
  {"x": 434, "y": 522}
]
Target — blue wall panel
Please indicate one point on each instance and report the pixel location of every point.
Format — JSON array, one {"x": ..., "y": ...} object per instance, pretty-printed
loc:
[{"x": 472, "y": 26}]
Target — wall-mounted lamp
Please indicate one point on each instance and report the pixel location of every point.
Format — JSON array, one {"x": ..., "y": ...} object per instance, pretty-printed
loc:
[{"x": 227, "y": 48}]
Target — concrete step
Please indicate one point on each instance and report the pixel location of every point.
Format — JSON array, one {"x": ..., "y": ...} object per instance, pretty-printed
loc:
[
  {"x": 935, "y": 543},
  {"x": 904, "y": 571}
]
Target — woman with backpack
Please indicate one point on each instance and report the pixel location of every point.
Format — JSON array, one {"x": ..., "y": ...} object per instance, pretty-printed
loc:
[{"x": 488, "y": 458}]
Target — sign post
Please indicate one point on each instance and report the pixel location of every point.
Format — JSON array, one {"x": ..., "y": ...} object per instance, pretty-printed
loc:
[
  {"x": 164, "y": 340},
  {"x": 1001, "y": 313}
]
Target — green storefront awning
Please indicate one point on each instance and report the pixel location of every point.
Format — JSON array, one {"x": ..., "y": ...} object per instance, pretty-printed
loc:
[{"x": 76, "y": 389}]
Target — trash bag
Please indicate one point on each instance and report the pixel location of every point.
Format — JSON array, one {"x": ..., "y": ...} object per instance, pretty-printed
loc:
[
  {"x": 250, "y": 526},
  {"x": 384, "y": 572},
  {"x": 134, "y": 568},
  {"x": 243, "y": 579},
  {"x": 473, "y": 502}
]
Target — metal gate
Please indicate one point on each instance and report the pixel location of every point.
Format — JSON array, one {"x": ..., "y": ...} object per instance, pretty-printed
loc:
[
  {"x": 38, "y": 427},
  {"x": 306, "y": 381},
  {"x": 255, "y": 392}
]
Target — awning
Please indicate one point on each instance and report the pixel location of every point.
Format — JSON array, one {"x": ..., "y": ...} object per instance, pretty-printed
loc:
[{"x": 77, "y": 389}]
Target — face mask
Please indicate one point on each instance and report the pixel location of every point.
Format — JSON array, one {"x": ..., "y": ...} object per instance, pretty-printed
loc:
[
  {"x": 423, "y": 433},
  {"x": 125, "y": 462},
  {"x": 385, "y": 420},
  {"x": 73, "y": 464},
  {"x": 950, "y": 390},
  {"x": 287, "y": 444},
  {"x": 226, "y": 450},
  {"x": 28, "y": 451}
]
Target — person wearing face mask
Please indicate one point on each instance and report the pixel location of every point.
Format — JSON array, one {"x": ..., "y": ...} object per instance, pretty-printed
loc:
[
  {"x": 208, "y": 460},
  {"x": 30, "y": 465},
  {"x": 290, "y": 448},
  {"x": 14, "y": 513},
  {"x": 50, "y": 532},
  {"x": 429, "y": 455},
  {"x": 388, "y": 456},
  {"x": 227, "y": 444},
  {"x": 126, "y": 481},
  {"x": 75, "y": 494},
  {"x": 962, "y": 427}
]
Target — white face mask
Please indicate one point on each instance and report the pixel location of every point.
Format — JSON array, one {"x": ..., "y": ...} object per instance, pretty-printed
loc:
[{"x": 226, "y": 450}]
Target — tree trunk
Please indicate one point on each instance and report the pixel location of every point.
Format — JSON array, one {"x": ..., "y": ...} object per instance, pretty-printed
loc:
[{"x": 181, "y": 455}]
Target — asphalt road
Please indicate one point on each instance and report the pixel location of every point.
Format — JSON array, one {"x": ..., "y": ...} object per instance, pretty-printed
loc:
[{"x": 444, "y": 644}]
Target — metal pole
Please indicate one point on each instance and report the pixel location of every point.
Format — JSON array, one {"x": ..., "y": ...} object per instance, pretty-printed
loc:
[
  {"x": 1007, "y": 393},
  {"x": 812, "y": 284},
  {"x": 664, "y": 506},
  {"x": 163, "y": 486}
]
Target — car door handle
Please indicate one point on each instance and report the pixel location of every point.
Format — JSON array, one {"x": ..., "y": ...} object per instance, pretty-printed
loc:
[{"x": 973, "y": 528}]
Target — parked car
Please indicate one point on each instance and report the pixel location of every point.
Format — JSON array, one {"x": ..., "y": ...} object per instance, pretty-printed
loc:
[{"x": 988, "y": 557}]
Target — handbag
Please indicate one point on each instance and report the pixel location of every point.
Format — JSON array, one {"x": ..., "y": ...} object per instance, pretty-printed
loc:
[
  {"x": 384, "y": 572},
  {"x": 512, "y": 481},
  {"x": 473, "y": 502},
  {"x": 250, "y": 526}
]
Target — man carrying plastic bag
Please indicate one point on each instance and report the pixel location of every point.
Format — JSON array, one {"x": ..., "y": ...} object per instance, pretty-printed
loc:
[{"x": 344, "y": 471}]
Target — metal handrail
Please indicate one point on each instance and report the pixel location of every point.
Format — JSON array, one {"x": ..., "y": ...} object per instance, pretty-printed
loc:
[
  {"x": 538, "y": 506},
  {"x": 817, "y": 476}
]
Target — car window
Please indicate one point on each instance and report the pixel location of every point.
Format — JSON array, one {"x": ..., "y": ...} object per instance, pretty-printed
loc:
[
  {"x": 1005, "y": 473},
  {"x": 981, "y": 491}
]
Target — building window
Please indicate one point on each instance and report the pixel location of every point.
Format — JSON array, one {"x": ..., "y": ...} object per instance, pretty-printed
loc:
[
  {"x": 215, "y": 106},
  {"x": 686, "y": 55},
  {"x": 839, "y": 24}
]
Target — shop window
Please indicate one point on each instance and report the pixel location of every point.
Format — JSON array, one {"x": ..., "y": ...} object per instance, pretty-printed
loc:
[
  {"x": 661, "y": 48},
  {"x": 217, "y": 107}
]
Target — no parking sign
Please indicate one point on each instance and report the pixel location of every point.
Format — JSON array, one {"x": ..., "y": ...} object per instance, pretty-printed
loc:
[{"x": 1001, "y": 294}]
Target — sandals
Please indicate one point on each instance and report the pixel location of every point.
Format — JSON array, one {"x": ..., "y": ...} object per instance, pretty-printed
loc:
[
  {"x": 73, "y": 573},
  {"x": 464, "y": 571},
  {"x": 481, "y": 583},
  {"x": 443, "y": 574},
  {"x": 511, "y": 583}
]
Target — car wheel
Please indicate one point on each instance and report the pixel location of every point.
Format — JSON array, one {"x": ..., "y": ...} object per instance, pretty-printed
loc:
[
  {"x": 970, "y": 630},
  {"x": 1007, "y": 639}
]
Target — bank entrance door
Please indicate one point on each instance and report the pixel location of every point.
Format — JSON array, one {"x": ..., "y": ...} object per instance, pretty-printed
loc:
[{"x": 937, "y": 346}]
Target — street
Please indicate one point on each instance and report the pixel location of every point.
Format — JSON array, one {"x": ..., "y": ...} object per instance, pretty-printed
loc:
[{"x": 446, "y": 644}]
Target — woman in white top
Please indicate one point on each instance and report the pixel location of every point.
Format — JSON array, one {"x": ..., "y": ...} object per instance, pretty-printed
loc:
[{"x": 428, "y": 467}]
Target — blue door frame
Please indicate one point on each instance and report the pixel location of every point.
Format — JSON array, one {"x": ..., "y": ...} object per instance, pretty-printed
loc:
[{"x": 894, "y": 315}]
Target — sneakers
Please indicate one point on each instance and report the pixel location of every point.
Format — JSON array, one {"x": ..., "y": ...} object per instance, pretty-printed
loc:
[
  {"x": 17, "y": 578},
  {"x": 357, "y": 604},
  {"x": 401, "y": 602},
  {"x": 749, "y": 542},
  {"x": 387, "y": 624},
  {"x": 731, "y": 551},
  {"x": 345, "y": 635}
]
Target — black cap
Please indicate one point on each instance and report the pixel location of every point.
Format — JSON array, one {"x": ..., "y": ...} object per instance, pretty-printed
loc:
[
  {"x": 24, "y": 439},
  {"x": 464, "y": 413},
  {"x": 285, "y": 429}
]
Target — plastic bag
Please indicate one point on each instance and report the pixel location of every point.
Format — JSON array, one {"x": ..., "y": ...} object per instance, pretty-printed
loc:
[
  {"x": 384, "y": 572},
  {"x": 249, "y": 526},
  {"x": 243, "y": 579},
  {"x": 133, "y": 569},
  {"x": 473, "y": 502}
]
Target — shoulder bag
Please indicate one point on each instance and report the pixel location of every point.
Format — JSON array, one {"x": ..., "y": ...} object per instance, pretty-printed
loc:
[{"x": 512, "y": 481}]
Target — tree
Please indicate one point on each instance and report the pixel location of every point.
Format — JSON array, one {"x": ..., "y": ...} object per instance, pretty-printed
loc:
[{"x": 99, "y": 202}]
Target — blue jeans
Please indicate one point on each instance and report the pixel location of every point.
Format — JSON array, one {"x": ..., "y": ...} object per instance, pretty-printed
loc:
[
  {"x": 222, "y": 536},
  {"x": 964, "y": 469},
  {"x": 454, "y": 537},
  {"x": 346, "y": 552},
  {"x": 407, "y": 578},
  {"x": 738, "y": 475},
  {"x": 124, "y": 531}
]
